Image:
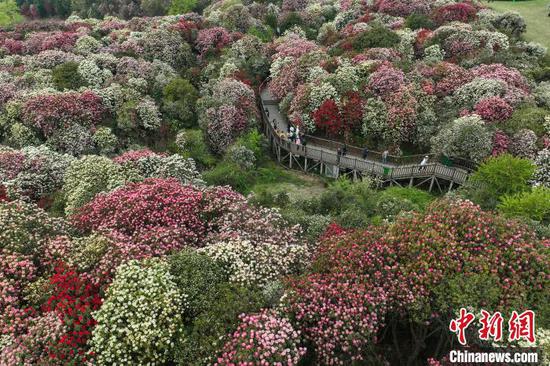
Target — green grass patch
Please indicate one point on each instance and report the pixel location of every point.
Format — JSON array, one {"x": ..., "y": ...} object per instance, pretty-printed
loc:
[{"x": 535, "y": 13}]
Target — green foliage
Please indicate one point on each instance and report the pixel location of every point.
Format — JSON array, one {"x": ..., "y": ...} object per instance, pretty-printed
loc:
[
  {"x": 534, "y": 205},
  {"x": 66, "y": 76},
  {"x": 418, "y": 197},
  {"x": 351, "y": 204},
  {"x": 196, "y": 149},
  {"x": 377, "y": 36},
  {"x": 395, "y": 200},
  {"x": 244, "y": 180},
  {"x": 478, "y": 290},
  {"x": 264, "y": 33},
  {"x": 155, "y": 7},
  {"x": 230, "y": 173},
  {"x": 418, "y": 21},
  {"x": 499, "y": 176},
  {"x": 179, "y": 100},
  {"x": 181, "y": 6},
  {"x": 291, "y": 20},
  {"x": 9, "y": 13},
  {"x": 540, "y": 74},
  {"x": 202, "y": 337},
  {"x": 526, "y": 117},
  {"x": 198, "y": 277},
  {"x": 255, "y": 142}
]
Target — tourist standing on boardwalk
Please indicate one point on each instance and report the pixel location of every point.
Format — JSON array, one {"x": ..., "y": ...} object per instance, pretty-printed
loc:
[
  {"x": 423, "y": 163},
  {"x": 385, "y": 156},
  {"x": 365, "y": 153}
]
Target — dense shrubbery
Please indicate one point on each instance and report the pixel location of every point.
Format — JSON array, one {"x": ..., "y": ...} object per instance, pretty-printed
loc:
[
  {"x": 109, "y": 122},
  {"x": 368, "y": 275}
]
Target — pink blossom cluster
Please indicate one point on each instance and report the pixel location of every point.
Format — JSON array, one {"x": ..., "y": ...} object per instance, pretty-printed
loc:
[
  {"x": 449, "y": 77},
  {"x": 16, "y": 272},
  {"x": 286, "y": 81},
  {"x": 517, "y": 86},
  {"x": 212, "y": 39},
  {"x": 339, "y": 314},
  {"x": 51, "y": 112},
  {"x": 135, "y": 155},
  {"x": 493, "y": 109},
  {"x": 11, "y": 164},
  {"x": 501, "y": 141},
  {"x": 262, "y": 339},
  {"x": 385, "y": 80},
  {"x": 402, "y": 8},
  {"x": 155, "y": 207},
  {"x": 294, "y": 46},
  {"x": 33, "y": 347},
  {"x": 42, "y": 41}
]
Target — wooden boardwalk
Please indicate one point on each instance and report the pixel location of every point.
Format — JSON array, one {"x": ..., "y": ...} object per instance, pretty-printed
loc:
[{"x": 321, "y": 156}]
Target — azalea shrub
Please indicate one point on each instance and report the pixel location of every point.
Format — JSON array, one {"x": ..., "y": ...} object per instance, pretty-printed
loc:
[
  {"x": 369, "y": 275},
  {"x": 121, "y": 243},
  {"x": 145, "y": 298},
  {"x": 265, "y": 335}
]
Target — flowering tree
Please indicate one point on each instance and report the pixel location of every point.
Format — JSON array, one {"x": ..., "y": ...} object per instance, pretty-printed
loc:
[
  {"x": 227, "y": 112},
  {"x": 386, "y": 80},
  {"x": 389, "y": 274},
  {"x": 466, "y": 137},
  {"x": 462, "y": 12},
  {"x": 493, "y": 109},
  {"x": 47, "y": 113},
  {"x": 265, "y": 335},
  {"x": 327, "y": 117},
  {"x": 74, "y": 299},
  {"x": 542, "y": 173},
  {"x": 212, "y": 40},
  {"x": 145, "y": 298}
]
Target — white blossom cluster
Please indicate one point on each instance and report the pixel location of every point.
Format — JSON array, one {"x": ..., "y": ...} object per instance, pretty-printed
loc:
[
  {"x": 140, "y": 317},
  {"x": 260, "y": 264}
]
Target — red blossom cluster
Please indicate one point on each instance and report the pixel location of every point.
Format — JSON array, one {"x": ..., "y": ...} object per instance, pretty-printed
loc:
[
  {"x": 460, "y": 12},
  {"x": 327, "y": 117},
  {"x": 74, "y": 299}
]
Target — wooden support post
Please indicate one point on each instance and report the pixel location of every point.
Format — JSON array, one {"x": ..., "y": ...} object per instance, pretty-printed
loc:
[
  {"x": 411, "y": 182},
  {"x": 305, "y": 164},
  {"x": 432, "y": 183},
  {"x": 451, "y": 186},
  {"x": 290, "y": 159}
]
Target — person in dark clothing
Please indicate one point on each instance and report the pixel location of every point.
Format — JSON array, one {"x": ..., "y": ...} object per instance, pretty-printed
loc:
[
  {"x": 344, "y": 150},
  {"x": 304, "y": 141},
  {"x": 365, "y": 153}
]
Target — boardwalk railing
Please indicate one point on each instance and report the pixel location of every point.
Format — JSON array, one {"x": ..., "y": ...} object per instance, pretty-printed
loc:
[{"x": 396, "y": 168}]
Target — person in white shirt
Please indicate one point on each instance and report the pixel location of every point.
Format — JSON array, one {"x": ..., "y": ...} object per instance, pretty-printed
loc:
[{"x": 424, "y": 162}]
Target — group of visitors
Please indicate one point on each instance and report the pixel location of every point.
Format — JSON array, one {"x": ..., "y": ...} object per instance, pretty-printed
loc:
[
  {"x": 294, "y": 135},
  {"x": 384, "y": 155}
]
